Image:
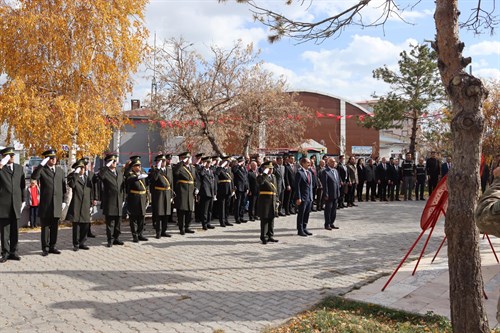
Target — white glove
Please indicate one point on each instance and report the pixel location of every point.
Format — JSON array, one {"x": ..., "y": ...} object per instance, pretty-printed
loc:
[
  {"x": 223, "y": 165},
  {"x": 5, "y": 159},
  {"x": 45, "y": 160},
  {"x": 196, "y": 191},
  {"x": 77, "y": 170},
  {"x": 215, "y": 198},
  {"x": 109, "y": 163},
  {"x": 158, "y": 165},
  {"x": 123, "y": 204},
  {"x": 142, "y": 176},
  {"x": 233, "y": 194},
  {"x": 64, "y": 205},
  {"x": 266, "y": 171},
  {"x": 22, "y": 206}
]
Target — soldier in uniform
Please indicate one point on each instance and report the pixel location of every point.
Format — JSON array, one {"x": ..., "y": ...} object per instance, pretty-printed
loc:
[
  {"x": 267, "y": 203},
  {"x": 208, "y": 192},
  {"x": 81, "y": 201},
  {"x": 52, "y": 191},
  {"x": 136, "y": 200},
  {"x": 184, "y": 178},
  {"x": 12, "y": 184},
  {"x": 112, "y": 197},
  {"x": 240, "y": 179},
  {"x": 162, "y": 193},
  {"x": 198, "y": 166},
  {"x": 421, "y": 177},
  {"x": 224, "y": 191}
]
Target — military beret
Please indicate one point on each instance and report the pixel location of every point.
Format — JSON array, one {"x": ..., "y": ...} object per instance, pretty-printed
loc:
[
  {"x": 7, "y": 151},
  {"x": 49, "y": 153}
]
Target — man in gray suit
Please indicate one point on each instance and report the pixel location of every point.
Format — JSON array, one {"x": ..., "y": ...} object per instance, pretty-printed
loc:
[
  {"x": 12, "y": 184},
  {"x": 52, "y": 191},
  {"x": 330, "y": 180}
]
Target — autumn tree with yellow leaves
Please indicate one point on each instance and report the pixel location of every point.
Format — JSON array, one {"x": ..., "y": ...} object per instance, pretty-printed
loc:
[{"x": 68, "y": 67}]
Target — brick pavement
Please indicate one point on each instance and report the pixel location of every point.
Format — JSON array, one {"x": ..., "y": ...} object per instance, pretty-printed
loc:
[{"x": 217, "y": 279}]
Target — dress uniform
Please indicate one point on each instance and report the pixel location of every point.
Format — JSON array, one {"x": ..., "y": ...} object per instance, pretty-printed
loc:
[
  {"x": 136, "y": 185},
  {"x": 267, "y": 203},
  {"x": 208, "y": 192},
  {"x": 12, "y": 184},
  {"x": 82, "y": 200},
  {"x": 112, "y": 196},
  {"x": 52, "y": 191},
  {"x": 184, "y": 178},
  {"x": 240, "y": 179},
  {"x": 162, "y": 192},
  {"x": 224, "y": 191}
]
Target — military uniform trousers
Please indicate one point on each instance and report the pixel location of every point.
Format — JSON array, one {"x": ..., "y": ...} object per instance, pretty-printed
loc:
[
  {"x": 266, "y": 228},
  {"x": 9, "y": 234},
  {"x": 50, "y": 228},
  {"x": 136, "y": 225},
  {"x": 80, "y": 230},
  {"x": 184, "y": 219},
  {"x": 224, "y": 203},
  {"x": 206, "y": 206},
  {"x": 113, "y": 227}
]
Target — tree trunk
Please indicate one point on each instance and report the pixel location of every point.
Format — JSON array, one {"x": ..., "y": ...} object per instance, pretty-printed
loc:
[
  {"x": 413, "y": 137},
  {"x": 466, "y": 94},
  {"x": 246, "y": 144},
  {"x": 213, "y": 142}
]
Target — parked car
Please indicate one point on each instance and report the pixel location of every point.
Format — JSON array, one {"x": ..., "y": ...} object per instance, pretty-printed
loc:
[{"x": 32, "y": 163}]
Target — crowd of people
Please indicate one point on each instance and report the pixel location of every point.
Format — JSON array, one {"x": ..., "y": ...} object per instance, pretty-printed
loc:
[{"x": 206, "y": 188}]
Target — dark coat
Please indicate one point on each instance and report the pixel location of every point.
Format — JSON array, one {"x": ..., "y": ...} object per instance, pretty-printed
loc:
[
  {"x": 208, "y": 183},
  {"x": 81, "y": 200},
  {"x": 240, "y": 178},
  {"x": 12, "y": 184},
  {"x": 136, "y": 194},
  {"x": 280, "y": 177},
  {"x": 224, "y": 182},
  {"x": 432, "y": 167},
  {"x": 370, "y": 173},
  {"x": 160, "y": 187},
  {"x": 393, "y": 174},
  {"x": 253, "y": 187},
  {"x": 267, "y": 202},
  {"x": 112, "y": 194},
  {"x": 361, "y": 173},
  {"x": 184, "y": 178},
  {"x": 381, "y": 173},
  {"x": 303, "y": 188},
  {"x": 52, "y": 191},
  {"x": 331, "y": 183},
  {"x": 444, "y": 169},
  {"x": 343, "y": 173},
  {"x": 289, "y": 175}
]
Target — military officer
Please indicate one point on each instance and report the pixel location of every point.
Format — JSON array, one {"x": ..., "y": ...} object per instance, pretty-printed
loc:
[
  {"x": 12, "y": 184},
  {"x": 160, "y": 184},
  {"x": 267, "y": 203},
  {"x": 112, "y": 197},
  {"x": 240, "y": 180},
  {"x": 52, "y": 191},
  {"x": 136, "y": 185},
  {"x": 208, "y": 192},
  {"x": 83, "y": 198},
  {"x": 224, "y": 190},
  {"x": 185, "y": 190}
]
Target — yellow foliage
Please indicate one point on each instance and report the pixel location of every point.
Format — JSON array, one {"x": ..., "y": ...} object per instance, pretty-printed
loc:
[{"x": 68, "y": 65}]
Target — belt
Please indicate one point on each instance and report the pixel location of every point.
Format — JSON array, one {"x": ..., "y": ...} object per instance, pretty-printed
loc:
[
  {"x": 137, "y": 192},
  {"x": 185, "y": 181},
  {"x": 162, "y": 188},
  {"x": 224, "y": 181},
  {"x": 267, "y": 193}
]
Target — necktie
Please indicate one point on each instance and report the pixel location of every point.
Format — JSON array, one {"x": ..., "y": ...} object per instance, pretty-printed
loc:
[
  {"x": 11, "y": 167},
  {"x": 53, "y": 170},
  {"x": 308, "y": 177}
]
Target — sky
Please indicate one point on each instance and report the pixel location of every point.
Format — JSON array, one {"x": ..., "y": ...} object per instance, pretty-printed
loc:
[{"x": 340, "y": 67}]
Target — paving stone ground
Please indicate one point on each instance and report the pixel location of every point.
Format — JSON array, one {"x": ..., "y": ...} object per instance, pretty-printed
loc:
[{"x": 217, "y": 279}]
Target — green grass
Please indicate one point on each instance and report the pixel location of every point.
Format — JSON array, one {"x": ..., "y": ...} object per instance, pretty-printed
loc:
[{"x": 336, "y": 314}]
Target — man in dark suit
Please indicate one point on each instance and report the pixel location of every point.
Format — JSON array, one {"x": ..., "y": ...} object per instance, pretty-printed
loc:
[
  {"x": 12, "y": 184},
  {"x": 289, "y": 183},
  {"x": 184, "y": 178},
  {"x": 112, "y": 196},
  {"x": 240, "y": 179},
  {"x": 208, "y": 192},
  {"x": 331, "y": 188},
  {"x": 433, "y": 170},
  {"x": 303, "y": 196},
  {"x": 445, "y": 167},
  {"x": 82, "y": 200},
  {"x": 279, "y": 172},
  {"x": 160, "y": 187},
  {"x": 224, "y": 190},
  {"x": 136, "y": 185},
  {"x": 52, "y": 191},
  {"x": 344, "y": 181},
  {"x": 253, "y": 190},
  {"x": 381, "y": 176},
  {"x": 267, "y": 202}
]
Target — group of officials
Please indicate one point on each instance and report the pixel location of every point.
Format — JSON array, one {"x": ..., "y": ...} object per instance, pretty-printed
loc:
[{"x": 208, "y": 187}]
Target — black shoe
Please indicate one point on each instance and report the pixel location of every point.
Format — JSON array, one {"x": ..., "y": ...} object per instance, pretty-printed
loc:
[
  {"x": 263, "y": 241},
  {"x": 243, "y": 221},
  {"x": 303, "y": 234},
  {"x": 142, "y": 238},
  {"x": 14, "y": 256},
  {"x": 135, "y": 240},
  {"x": 398, "y": 199},
  {"x": 204, "y": 227},
  {"x": 3, "y": 259},
  {"x": 117, "y": 242},
  {"x": 84, "y": 247},
  {"x": 374, "y": 200},
  {"x": 334, "y": 227},
  {"x": 158, "y": 236},
  {"x": 182, "y": 232},
  {"x": 75, "y": 248},
  {"x": 90, "y": 236},
  {"x": 54, "y": 251},
  {"x": 328, "y": 227},
  {"x": 308, "y": 233},
  {"x": 45, "y": 253},
  {"x": 237, "y": 222},
  {"x": 189, "y": 231},
  {"x": 164, "y": 234},
  {"x": 272, "y": 240},
  {"x": 422, "y": 199},
  {"x": 110, "y": 244},
  {"x": 281, "y": 214},
  {"x": 354, "y": 205},
  {"x": 223, "y": 225},
  {"x": 209, "y": 226},
  {"x": 229, "y": 224}
]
